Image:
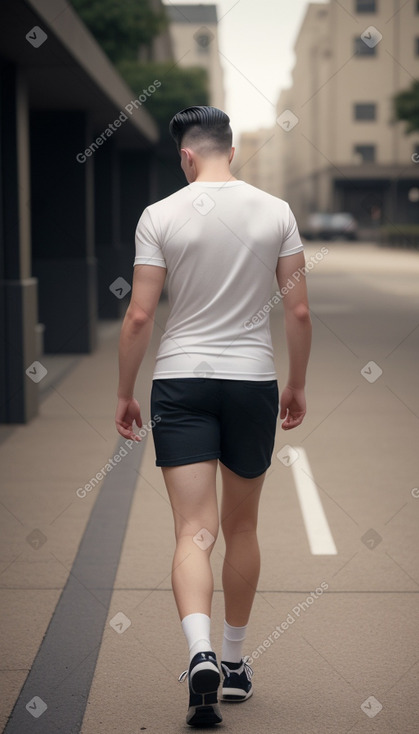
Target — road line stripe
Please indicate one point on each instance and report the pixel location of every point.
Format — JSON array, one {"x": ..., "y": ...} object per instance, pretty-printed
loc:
[
  {"x": 55, "y": 693},
  {"x": 318, "y": 532}
]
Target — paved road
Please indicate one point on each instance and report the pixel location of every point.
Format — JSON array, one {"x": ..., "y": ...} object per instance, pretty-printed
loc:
[{"x": 333, "y": 635}]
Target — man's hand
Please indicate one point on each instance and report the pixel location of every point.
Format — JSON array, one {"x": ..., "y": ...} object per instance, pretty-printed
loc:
[
  {"x": 293, "y": 407},
  {"x": 127, "y": 411}
]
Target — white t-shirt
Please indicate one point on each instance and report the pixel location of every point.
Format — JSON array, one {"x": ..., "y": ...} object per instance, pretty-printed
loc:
[{"x": 220, "y": 243}]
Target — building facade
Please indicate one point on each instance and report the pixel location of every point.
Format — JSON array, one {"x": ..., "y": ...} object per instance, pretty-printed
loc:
[
  {"x": 256, "y": 159},
  {"x": 194, "y": 34},
  {"x": 340, "y": 148}
]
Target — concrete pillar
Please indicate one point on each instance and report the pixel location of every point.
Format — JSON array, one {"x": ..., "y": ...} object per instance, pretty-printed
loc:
[
  {"x": 18, "y": 290},
  {"x": 122, "y": 191},
  {"x": 134, "y": 197},
  {"x": 107, "y": 239},
  {"x": 63, "y": 230}
]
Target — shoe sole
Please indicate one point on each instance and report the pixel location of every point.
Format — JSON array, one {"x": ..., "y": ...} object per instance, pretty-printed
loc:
[
  {"x": 204, "y": 715},
  {"x": 205, "y": 682},
  {"x": 205, "y": 678}
]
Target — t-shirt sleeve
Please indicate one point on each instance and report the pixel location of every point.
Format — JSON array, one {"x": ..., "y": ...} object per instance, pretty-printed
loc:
[
  {"x": 147, "y": 246},
  {"x": 291, "y": 244}
]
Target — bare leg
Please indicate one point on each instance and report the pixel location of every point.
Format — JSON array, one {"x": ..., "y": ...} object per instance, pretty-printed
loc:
[
  {"x": 239, "y": 514},
  {"x": 192, "y": 494}
]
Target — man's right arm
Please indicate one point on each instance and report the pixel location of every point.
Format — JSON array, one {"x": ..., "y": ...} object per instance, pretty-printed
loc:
[{"x": 293, "y": 288}]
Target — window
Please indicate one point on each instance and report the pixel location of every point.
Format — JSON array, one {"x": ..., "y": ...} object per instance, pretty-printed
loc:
[
  {"x": 361, "y": 48},
  {"x": 365, "y": 153},
  {"x": 365, "y": 6},
  {"x": 203, "y": 38},
  {"x": 365, "y": 111}
]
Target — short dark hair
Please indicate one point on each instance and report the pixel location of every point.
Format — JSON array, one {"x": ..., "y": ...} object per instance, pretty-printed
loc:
[{"x": 207, "y": 126}]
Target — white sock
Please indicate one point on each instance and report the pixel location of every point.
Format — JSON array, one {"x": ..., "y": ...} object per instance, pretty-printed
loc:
[
  {"x": 233, "y": 643},
  {"x": 197, "y": 632}
]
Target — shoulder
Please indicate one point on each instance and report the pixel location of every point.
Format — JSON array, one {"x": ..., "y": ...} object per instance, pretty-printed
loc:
[
  {"x": 169, "y": 202},
  {"x": 268, "y": 200},
  {"x": 263, "y": 196}
]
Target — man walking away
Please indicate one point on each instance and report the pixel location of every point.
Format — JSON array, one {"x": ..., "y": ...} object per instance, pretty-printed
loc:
[{"x": 218, "y": 242}]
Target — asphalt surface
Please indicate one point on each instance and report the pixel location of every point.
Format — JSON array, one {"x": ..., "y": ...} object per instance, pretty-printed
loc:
[{"x": 90, "y": 636}]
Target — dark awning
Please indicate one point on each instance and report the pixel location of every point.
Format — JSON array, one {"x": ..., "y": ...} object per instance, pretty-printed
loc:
[{"x": 69, "y": 70}]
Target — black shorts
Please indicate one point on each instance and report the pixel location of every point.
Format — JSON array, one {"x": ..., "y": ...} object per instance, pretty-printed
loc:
[{"x": 208, "y": 418}]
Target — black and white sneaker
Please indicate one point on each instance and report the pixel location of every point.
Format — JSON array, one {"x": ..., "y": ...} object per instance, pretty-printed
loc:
[
  {"x": 204, "y": 679},
  {"x": 237, "y": 684}
]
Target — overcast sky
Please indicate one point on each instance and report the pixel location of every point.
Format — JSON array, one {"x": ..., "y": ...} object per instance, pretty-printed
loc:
[{"x": 256, "y": 38}]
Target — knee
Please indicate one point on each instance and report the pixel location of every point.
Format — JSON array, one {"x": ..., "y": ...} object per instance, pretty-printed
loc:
[
  {"x": 202, "y": 534},
  {"x": 233, "y": 527}
]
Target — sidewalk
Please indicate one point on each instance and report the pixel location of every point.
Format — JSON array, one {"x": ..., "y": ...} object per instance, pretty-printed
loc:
[{"x": 325, "y": 629}]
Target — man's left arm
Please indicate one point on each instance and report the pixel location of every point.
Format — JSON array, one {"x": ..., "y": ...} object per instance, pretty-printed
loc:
[{"x": 137, "y": 327}]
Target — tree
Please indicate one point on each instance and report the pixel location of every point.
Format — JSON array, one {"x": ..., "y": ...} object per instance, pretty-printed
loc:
[
  {"x": 121, "y": 26},
  {"x": 179, "y": 87},
  {"x": 406, "y": 107}
]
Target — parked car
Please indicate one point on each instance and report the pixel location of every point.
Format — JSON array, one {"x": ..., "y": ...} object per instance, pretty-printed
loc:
[{"x": 324, "y": 226}]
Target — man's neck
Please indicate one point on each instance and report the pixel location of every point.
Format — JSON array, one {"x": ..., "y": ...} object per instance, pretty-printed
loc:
[{"x": 210, "y": 175}]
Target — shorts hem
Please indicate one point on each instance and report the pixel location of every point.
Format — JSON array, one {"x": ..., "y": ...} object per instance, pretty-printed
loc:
[
  {"x": 188, "y": 459},
  {"x": 246, "y": 475}
]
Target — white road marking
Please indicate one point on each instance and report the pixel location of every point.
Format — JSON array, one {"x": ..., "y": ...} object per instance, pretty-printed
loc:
[{"x": 318, "y": 532}]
